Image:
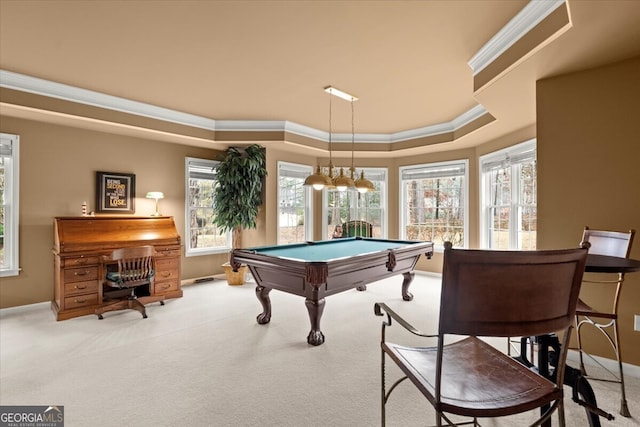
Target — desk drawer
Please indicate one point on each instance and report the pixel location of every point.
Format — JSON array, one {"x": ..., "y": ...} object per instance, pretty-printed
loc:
[
  {"x": 80, "y": 274},
  {"x": 77, "y": 288},
  {"x": 167, "y": 268},
  {"x": 80, "y": 261},
  {"x": 167, "y": 251},
  {"x": 80, "y": 301},
  {"x": 165, "y": 286}
]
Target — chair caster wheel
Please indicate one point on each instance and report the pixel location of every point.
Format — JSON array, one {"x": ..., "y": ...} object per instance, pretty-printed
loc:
[
  {"x": 144, "y": 316},
  {"x": 100, "y": 317},
  {"x": 161, "y": 302}
]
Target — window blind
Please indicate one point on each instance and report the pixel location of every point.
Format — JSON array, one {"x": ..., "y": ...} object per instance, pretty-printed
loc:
[
  {"x": 6, "y": 145},
  {"x": 291, "y": 170},
  {"x": 199, "y": 169},
  {"x": 434, "y": 171}
]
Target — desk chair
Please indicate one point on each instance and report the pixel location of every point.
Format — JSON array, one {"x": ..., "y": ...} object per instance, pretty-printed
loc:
[
  {"x": 357, "y": 228},
  {"x": 499, "y": 294},
  {"x": 617, "y": 244},
  {"x": 127, "y": 269}
]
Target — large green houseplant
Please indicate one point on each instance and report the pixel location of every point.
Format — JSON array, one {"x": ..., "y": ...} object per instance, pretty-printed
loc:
[{"x": 237, "y": 195}]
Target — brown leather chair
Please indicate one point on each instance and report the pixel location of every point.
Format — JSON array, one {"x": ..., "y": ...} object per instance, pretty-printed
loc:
[
  {"x": 605, "y": 319},
  {"x": 490, "y": 293},
  {"x": 357, "y": 228},
  {"x": 128, "y": 273}
]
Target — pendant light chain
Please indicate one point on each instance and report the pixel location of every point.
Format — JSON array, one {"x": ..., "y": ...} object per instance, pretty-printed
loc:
[
  {"x": 330, "y": 147},
  {"x": 353, "y": 141}
]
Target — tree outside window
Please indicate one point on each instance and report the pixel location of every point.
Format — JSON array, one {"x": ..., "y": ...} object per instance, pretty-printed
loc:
[
  {"x": 294, "y": 204},
  {"x": 509, "y": 198},
  {"x": 9, "y": 204},
  {"x": 433, "y": 202},
  {"x": 204, "y": 235},
  {"x": 343, "y": 206}
]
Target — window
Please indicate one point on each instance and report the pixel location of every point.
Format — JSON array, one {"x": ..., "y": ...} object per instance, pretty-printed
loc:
[
  {"x": 508, "y": 198},
  {"x": 433, "y": 202},
  {"x": 9, "y": 204},
  {"x": 343, "y": 206},
  {"x": 204, "y": 236},
  {"x": 294, "y": 204}
]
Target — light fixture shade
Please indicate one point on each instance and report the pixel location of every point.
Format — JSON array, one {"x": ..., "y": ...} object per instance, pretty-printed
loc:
[
  {"x": 318, "y": 180},
  {"x": 342, "y": 182},
  {"x": 155, "y": 195},
  {"x": 363, "y": 185}
]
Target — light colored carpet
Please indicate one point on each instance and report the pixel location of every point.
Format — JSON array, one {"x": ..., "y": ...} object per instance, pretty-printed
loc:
[{"x": 202, "y": 360}]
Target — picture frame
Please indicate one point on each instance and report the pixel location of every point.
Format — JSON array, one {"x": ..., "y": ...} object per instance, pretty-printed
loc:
[{"x": 115, "y": 192}]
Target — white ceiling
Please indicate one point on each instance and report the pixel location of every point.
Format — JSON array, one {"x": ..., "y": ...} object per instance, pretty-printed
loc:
[{"x": 407, "y": 61}]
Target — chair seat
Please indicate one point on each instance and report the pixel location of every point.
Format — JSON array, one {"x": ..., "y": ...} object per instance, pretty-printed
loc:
[
  {"x": 115, "y": 280},
  {"x": 477, "y": 379},
  {"x": 584, "y": 309}
]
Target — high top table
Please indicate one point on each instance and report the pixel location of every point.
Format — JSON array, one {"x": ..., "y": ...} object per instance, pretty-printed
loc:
[
  {"x": 610, "y": 264},
  {"x": 573, "y": 377}
]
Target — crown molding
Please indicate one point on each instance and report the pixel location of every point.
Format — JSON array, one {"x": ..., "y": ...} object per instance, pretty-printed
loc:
[
  {"x": 24, "y": 83},
  {"x": 530, "y": 16}
]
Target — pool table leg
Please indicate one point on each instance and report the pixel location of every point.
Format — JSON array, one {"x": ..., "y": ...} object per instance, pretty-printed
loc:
[
  {"x": 315, "y": 309},
  {"x": 408, "y": 278},
  {"x": 263, "y": 296}
]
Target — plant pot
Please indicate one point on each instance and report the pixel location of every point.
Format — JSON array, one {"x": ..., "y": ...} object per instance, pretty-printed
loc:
[{"x": 235, "y": 278}]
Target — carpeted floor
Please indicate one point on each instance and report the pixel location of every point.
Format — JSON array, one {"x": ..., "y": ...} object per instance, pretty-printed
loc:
[{"x": 202, "y": 360}]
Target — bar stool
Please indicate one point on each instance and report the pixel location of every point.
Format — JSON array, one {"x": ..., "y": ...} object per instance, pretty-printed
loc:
[{"x": 618, "y": 244}]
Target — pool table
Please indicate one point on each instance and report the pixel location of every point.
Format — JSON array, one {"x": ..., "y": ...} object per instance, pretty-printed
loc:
[{"x": 318, "y": 269}]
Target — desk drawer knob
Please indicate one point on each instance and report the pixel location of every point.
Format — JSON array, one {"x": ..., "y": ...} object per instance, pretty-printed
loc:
[
  {"x": 81, "y": 273},
  {"x": 80, "y": 287},
  {"x": 79, "y": 301}
]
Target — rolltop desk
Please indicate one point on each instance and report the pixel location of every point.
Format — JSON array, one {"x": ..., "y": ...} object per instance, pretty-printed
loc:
[{"x": 81, "y": 242}]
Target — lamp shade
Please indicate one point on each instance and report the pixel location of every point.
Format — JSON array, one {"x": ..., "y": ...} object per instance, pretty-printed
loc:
[
  {"x": 363, "y": 185},
  {"x": 155, "y": 195},
  {"x": 342, "y": 182},
  {"x": 317, "y": 180}
]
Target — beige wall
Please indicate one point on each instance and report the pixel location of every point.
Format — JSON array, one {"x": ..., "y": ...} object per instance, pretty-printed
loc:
[
  {"x": 589, "y": 169},
  {"x": 71, "y": 156},
  {"x": 57, "y": 173},
  {"x": 588, "y": 174}
]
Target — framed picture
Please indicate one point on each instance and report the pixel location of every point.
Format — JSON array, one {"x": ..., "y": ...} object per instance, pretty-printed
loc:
[{"x": 115, "y": 192}]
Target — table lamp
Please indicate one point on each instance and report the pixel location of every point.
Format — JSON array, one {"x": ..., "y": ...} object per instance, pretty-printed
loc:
[{"x": 155, "y": 195}]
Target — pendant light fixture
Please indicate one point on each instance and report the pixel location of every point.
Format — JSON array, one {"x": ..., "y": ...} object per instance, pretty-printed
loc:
[
  {"x": 361, "y": 184},
  {"x": 319, "y": 179}
]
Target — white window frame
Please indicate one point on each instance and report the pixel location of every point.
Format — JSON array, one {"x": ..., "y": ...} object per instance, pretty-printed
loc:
[
  {"x": 427, "y": 167},
  {"x": 10, "y": 151},
  {"x": 189, "y": 251},
  {"x": 368, "y": 173},
  {"x": 303, "y": 171},
  {"x": 513, "y": 157}
]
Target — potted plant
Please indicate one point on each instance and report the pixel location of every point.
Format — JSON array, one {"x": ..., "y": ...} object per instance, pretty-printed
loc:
[{"x": 236, "y": 197}]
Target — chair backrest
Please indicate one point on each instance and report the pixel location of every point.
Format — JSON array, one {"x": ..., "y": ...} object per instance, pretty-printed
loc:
[
  {"x": 357, "y": 228},
  {"x": 612, "y": 243},
  {"x": 135, "y": 264},
  {"x": 509, "y": 293}
]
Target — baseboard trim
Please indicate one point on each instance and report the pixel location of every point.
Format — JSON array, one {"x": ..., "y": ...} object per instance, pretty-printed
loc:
[
  {"x": 573, "y": 358},
  {"x": 25, "y": 308}
]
